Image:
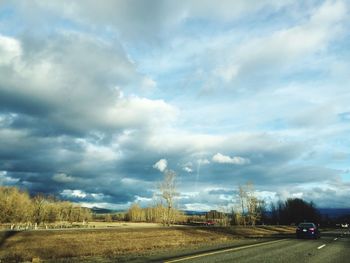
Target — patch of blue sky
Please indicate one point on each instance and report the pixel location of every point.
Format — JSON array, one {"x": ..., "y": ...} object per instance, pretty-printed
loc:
[
  {"x": 274, "y": 125},
  {"x": 313, "y": 153},
  {"x": 344, "y": 117},
  {"x": 330, "y": 154},
  {"x": 69, "y": 25},
  {"x": 339, "y": 46},
  {"x": 346, "y": 175},
  {"x": 7, "y": 11},
  {"x": 10, "y": 23},
  {"x": 195, "y": 37},
  {"x": 203, "y": 28},
  {"x": 343, "y": 168},
  {"x": 315, "y": 72},
  {"x": 341, "y": 140},
  {"x": 310, "y": 75}
]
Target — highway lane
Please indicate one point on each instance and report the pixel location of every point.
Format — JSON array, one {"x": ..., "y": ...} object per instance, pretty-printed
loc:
[{"x": 331, "y": 247}]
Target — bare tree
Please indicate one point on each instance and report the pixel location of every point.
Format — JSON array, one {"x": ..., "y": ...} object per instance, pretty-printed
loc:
[
  {"x": 18, "y": 208},
  {"x": 136, "y": 213},
  {"x": 108, "y": 218},
  {"x": 242, "y": 198},
  {"x": 168, "y": 193},
  {"x": 15, "y": 206},
  {"x": 254, "y": 211},
  {"x": 39, "y": 209},
  {"x": 251, "y": 206}
]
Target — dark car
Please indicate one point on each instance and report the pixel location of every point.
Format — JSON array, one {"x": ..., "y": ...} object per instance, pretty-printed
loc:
[{"x": 307, "y": 230}]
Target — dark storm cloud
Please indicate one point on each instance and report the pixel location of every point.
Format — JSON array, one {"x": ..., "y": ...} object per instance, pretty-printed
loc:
[
  {"x": 105, "y": 188},
  {"x": 112, "y": 194},
  {"x": 93, "y": 168},
  {"x": 98, "y": 169}
]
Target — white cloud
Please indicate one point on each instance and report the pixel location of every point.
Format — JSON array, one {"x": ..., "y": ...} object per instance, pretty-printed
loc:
[
  {"x": 329, "y": 12},
  {"x": 161, "y": 165},
  {"x": 229, "y": 10},
  {"x": 143, "y": 19},
  {"x": 7, "y": 180},
  {"x": 197, "y": 207},
  {"x": 203, "y": 161},
  {"x": 148, "y": 83},
  {"x": 73, "y": 193},
  {"x": 137, "y": 112},
  {"x": 98, "y": 153},
  {"x": 10, "y": 49},
  {"x": 220, "y": 158},
  {"x": 188, "y": 169},
  {"x": 63, "y": 178},
  {"x": 56, "y": 87},
  {"x": 98, "y": 196},
  {"x": 283, "y": 47},
  {"x": 227, "y": 73},
  {"x": 174, "y": 140},
  {"x": 297, "y": 195}
]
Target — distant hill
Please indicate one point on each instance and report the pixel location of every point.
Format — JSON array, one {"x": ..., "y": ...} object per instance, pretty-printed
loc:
[
  {"x": 99, "y": 210},
  {"x": 331, "y": 212},
  {"x": 334, "y": 212},
  {"x": 194, "y": 213}
]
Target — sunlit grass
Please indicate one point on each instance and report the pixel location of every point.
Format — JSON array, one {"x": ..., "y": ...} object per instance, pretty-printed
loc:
[{"x": 115, "y": 242}]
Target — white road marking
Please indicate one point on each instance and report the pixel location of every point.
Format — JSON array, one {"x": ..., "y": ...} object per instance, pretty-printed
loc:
[
  {"x": 321, "y": 246},
  {"x": 224, "y": 251}
]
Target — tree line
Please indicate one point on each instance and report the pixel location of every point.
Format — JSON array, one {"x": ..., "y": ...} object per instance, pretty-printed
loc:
[
  {"x": 294, "y": 211},
  {"x": 17, "y": 207},
  {"x": 251, "y": 210},
  {"x": 155, "y": 214},
  {"x": 248, "y": 209}
]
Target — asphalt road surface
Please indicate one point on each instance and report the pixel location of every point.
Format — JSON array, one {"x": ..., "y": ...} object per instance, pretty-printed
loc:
[{"x": 333, "y": 246}]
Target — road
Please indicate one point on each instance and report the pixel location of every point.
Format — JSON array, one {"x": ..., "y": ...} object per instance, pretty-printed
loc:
[{"x": 333, "y": 246}]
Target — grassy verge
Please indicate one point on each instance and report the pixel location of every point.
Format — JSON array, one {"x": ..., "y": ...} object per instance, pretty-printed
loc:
[{"x": 113, "y": 243}]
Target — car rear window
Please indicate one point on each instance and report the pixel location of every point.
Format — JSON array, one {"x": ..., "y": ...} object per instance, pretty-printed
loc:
[{"x": 306, "y": 225}]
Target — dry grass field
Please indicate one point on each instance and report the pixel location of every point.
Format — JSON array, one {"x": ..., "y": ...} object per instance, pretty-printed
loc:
[
  {"x": 19, "y": 246},
  {"x": 123, "y": 224}
]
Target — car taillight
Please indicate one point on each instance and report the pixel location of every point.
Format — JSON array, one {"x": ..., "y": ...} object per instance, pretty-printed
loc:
[{"x": 312, "y": 229}]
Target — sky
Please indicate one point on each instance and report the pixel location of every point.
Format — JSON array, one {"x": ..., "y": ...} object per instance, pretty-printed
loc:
[{"x": 98, "y": 99}]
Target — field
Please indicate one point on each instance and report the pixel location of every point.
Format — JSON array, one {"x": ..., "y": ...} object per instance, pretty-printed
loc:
[{"x": 115, "y": 242}]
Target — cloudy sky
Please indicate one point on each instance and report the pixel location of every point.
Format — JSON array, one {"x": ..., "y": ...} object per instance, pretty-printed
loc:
[{"x": 99, "y": 98}]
